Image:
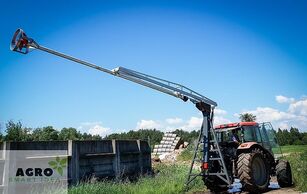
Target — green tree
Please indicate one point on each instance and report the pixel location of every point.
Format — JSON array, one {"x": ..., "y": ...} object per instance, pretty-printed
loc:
[
  {"x": 287, "y": 137},
  {"x": 70, "y": 134},
  {"x": 281, "y": 139},
  {"x": 1, "y": 134},
  {"x": 155, "y": 136},
  {"x": 96, "y": 137},
  {"x": 49, "y": 133},
  {"x": 187, "y": 136},
  {"x": 247, "y": 117},
  {"x": 45, "y": 134},
  {"x": 36, "y": 134},
  {"x": 88, "y": 136},
  {"x": 15, "y": 132},
  {"x": 304, "y": 138},
  {"x": 295, "y": 136}
]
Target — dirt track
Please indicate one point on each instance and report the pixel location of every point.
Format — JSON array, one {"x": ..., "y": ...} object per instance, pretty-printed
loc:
[
  {"x": 273, "y": 191},
  {"x": 283, "y": 191}
]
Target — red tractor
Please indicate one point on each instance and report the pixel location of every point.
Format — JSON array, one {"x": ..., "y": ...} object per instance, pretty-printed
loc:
[{"x": 250, "y": 153}]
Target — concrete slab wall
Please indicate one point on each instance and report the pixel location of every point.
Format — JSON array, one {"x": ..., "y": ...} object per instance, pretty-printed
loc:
[{"x": 100, "y": 159}]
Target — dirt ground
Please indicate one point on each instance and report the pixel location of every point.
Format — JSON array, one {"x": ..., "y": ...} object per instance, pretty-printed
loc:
[
  {"x": 289, "y": 190},
  {"x": 271, "y": 191},
  {"x": 283, "y": 191}
]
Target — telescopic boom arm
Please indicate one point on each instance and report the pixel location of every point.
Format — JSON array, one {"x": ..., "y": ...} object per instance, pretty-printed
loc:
[{"x": 23, "y": 44}]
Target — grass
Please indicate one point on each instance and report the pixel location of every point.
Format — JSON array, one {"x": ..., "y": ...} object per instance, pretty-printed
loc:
[
  {"x": 187, "y": 154},
  {"x": 293, "y": 148},
  {"x": 170, "y": 179},
  {"x": 298, "y": 162}
]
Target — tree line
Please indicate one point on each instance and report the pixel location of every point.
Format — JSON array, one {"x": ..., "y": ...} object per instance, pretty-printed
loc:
[
  {"x": 15, "y": 131},
  {"x": 153, "y": 136},
  {"x": 291, "y": 137}
]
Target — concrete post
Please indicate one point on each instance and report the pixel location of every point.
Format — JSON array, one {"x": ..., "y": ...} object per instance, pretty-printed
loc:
[
  {"x": 116, "y": 158},
  {"x": 5, "y": 157},
  {"x": 73, "y": 152},
  {"x": 140, "y": 156}
]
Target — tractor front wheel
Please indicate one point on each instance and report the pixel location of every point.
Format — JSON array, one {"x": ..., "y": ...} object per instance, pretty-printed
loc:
[
  {"x": 283, "y": 172},
  {"x": 253, "y": 171}
]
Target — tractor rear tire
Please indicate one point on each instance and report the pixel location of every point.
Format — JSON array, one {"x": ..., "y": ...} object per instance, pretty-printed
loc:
[
  {"x": 283, "y": 172},
  {"x": 253, "y": 171}
]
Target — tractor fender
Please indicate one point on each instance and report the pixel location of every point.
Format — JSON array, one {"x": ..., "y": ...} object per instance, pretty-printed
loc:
[{"x": 247, "y": 145}]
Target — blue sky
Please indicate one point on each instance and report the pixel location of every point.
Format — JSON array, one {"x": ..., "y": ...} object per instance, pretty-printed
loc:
[{"x": 246, "y": 55}]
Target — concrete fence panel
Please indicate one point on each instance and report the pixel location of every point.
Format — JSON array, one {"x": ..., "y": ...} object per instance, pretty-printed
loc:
[{"x": 100, "y": 159}]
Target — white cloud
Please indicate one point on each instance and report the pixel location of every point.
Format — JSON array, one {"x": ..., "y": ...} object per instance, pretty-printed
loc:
[
  {"x": 192, "y": 123},
  {"x": 283, "y": 125},
  {"x": 270, "y": 114},
  {"x": 283, "y": 99},
  {"x": 219, "y": 117},
  {"x": 174, "y": 120},
  {"x": 147, "y": 124},
  {"x": 218, "y": 111},
  {"x": 218, "y": 120},
  {"x": 171, "y": 124},
  {"x": 295, "y": 116},
  {"x": 299, "y": 107},
  {"x": 94, "y": 128},
  {"x": 85, "y": 124},
  {"x": 99, "y": 130}
]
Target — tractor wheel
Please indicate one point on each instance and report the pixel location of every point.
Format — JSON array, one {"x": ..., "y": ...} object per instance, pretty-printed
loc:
[
  {"x": 253, "y": 171},
  {"x": 215, "y": 184},
  {"x": 283, "y": 172}
]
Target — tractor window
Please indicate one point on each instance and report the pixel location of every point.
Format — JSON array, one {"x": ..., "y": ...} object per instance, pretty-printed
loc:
[
  {"x": 252, "y": 133},
  {"x": 219, "y": 136},
  {"x": 226, "y": 136},
  {"x": 258, "y": 136},
  {"x": 271, "y": 138},
  {"x": 223, "y": 136},
  {"x": 248, "y": 134},
  {"x": 264, "y": 135},
  {"x": 270, "y": 133}
]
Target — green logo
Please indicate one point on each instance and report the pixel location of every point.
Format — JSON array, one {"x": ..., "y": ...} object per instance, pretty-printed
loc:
[{"x": 58, "y": 164}]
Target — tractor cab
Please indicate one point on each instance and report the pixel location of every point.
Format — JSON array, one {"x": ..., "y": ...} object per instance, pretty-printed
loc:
[{"x": 244, "y": 134}]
